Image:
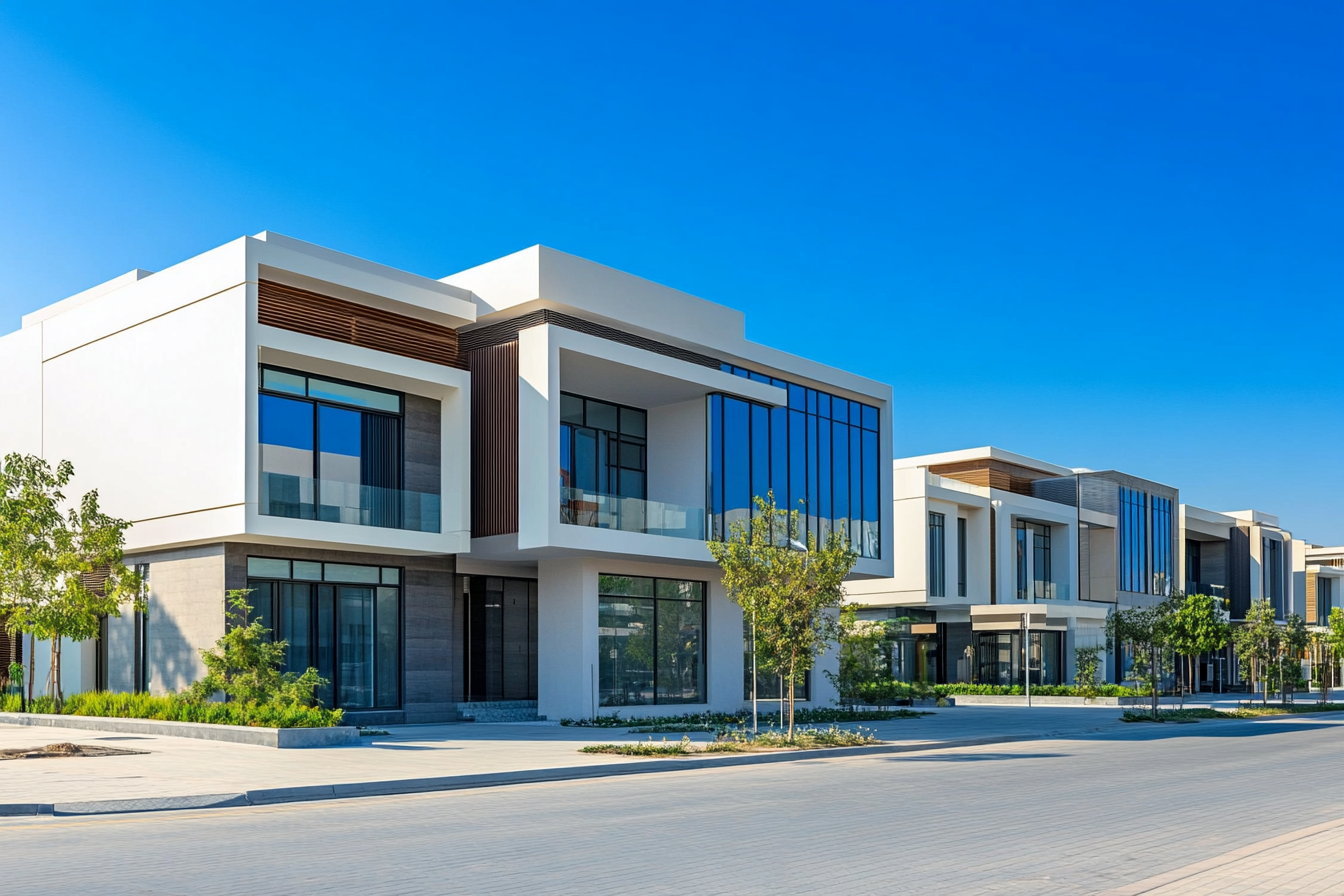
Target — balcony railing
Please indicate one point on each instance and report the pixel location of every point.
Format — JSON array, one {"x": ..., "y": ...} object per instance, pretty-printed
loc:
[
  {"x": 581, "y": 508},
  {"x": 330, "y": 501},
  {"x": 1044, "y": 591},
  {"x": 1206, "y": 588}
]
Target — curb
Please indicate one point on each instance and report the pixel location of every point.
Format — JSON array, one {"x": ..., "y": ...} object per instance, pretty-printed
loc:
[
  {"x": 277, "y": 795},
  {"x": 281, "y": 738}
]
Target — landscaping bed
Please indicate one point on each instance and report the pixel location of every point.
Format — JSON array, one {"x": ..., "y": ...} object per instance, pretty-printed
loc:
[
  {"x": 1245, "y": 712},
  {"x": 740, "y": 741},
  {"x": 107, "y": 704},
  {"x": 715, "y": 722}
]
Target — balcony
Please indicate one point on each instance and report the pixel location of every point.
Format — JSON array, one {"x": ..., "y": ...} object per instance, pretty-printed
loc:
[
  {"x": 1206, "y": 588},
  {"x": 580, "y": 508},
  {"x": 1044, "y": 591},
  {"x": 295, "y": 497}
]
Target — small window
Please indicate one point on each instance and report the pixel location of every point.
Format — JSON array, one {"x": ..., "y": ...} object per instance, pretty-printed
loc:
[
  {"x": 391, "y": 575},
  {"x": 633, "y": 422},
  {"x": 280, "y": 381},
  {"x": 571, "y": 409},
  {"x": 266, "y": 568},
  {"x": 343, "y": 572},
  {"x": 602, "y": 416},
  {"x": 961, "y": 557},
  {"x": 344, "y": 393},
  {"x": 307, "y": 570}
]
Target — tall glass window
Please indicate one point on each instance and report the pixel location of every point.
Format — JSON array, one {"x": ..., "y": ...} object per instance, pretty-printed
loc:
[
  {"x": 333, "y": 451},
  {"x": 820, "y": 455},
  {"x": 1271, "y": 568},
  {"x": 937, "y": 556},
  {"x": 1163, "y": 562},
  {"x": 341, "y": 619},
  {"x": 1133, "y": 525},
  {"x": 961, "y": 556},
  {"x": 603, "y": 448},
  {"x": 1035, "y": 575},
  {"x": 651, "y": 641}
]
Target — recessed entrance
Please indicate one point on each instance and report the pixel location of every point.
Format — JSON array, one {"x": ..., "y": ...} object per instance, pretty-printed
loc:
[{"x": 500, "y": 639}]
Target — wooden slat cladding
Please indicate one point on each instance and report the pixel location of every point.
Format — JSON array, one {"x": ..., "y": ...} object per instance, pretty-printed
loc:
[
  {"x": 314, "y": 314},
  {"x": 494, "y": 439},
  {"x": 987, "y": 471},
  {"x": 1311, "y": 599}
]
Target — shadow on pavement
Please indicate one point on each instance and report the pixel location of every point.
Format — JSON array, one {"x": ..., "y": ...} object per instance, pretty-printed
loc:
[{"x": 971, "y": 757}]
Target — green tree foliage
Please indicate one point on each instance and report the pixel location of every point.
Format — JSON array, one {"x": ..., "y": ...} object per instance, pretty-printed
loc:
[
  {"x": 791, "y": 594},
  {"x": 1087, "y": 665},
  {"x": 1148, "y": 631},
  {"x": 1257, "y": 642},
  {"x": 245, "y": 665},
  {"x": 1293, "y": 640},
  {"x": 1332, "y": 648},
  {"x": 865, "y": 662},
  {"x": 61, "y": 571},
  {"x": 1198, "y": 625}
]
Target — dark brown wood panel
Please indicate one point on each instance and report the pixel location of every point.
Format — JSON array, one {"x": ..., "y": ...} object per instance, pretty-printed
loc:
[
  {"x": 314, "y": 314},
  {"x": 993, "y": 473},
  {"x": 494, "y": 440}
]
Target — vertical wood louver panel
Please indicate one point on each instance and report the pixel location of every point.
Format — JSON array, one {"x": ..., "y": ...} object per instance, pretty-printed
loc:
[
  {"x": 494, "y": 440},
  {"x": 314, "y": 314}
]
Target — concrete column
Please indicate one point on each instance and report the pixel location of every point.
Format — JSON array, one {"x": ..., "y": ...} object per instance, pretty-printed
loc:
[{"x": 567, "y": 639}]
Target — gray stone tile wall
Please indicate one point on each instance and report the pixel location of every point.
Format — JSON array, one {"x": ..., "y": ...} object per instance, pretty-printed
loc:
[
  {"x": 423, "y": 451},
  {"x": 429, "y": 642},
  {"x": 186, "y": 612}
]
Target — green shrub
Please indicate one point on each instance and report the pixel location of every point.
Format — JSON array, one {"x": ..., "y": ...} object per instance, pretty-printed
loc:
[
  {"x": 176, "y": 708},
  {"x": 1037, "y": 690},
  {"x": 644, "y": 748}
]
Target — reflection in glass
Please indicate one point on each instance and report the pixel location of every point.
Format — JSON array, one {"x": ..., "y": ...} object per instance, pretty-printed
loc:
[
  {"x": 295, "y": 625},
  {"x": 388, "y": 649},
  {"x": 286, "y": 437},
  {"x": 355, "y": 647},
  {"x": 650, "y": 649}
]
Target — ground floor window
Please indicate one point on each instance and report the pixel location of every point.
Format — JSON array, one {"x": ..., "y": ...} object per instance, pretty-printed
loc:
[
  {"x": 768, "y": 685},
  {"x": 1001, "y": 661},
  {"x": 650, "y": 641},
  {"x": 342, "y": 619},
  {"x": 500, "y": 645}
]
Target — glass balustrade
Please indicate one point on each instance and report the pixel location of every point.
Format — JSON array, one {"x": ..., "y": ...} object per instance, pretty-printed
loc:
[
  {"x": 1044, "y": 591},
  {"x": 583, "y": 508},
  {"x": 332, "y": 501}
]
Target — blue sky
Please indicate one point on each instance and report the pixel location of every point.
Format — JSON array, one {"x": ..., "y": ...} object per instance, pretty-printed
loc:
[{"x": 1108, "y": 234}]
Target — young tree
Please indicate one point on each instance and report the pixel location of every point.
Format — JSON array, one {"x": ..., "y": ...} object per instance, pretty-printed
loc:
[
  {"x": 245, "y": 664},
  {"x": 789, "y": 588},
  {"x": 1332, "y": 643},
  {"x": 1148, "y": 631},
  {"x": 60, "y": 572},
  {"x": 1292, "y": 641},
  {"x": 1197, "y": 626},
  {"x": 1257, "y": 643},
  {"x": 1087, "y": 663}
]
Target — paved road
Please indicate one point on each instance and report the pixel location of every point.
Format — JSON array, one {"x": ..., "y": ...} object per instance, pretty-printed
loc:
[{"x": 1145, "y": 810}]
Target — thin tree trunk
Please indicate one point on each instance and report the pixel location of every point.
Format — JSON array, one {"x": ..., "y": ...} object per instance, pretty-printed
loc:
[
  {"x": 32, "y": 668},
  {"x": 793, "y": 666},
  {"x": 56, "y": 664}
]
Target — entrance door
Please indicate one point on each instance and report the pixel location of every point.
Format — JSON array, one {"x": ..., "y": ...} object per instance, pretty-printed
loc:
[{"x": 500, "y": 639}]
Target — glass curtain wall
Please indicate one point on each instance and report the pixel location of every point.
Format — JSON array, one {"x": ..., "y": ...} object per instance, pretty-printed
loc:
[
  {"x": 1035, "y": 577},
  {"x": 820, "y": 455},
  {"x": 961, "y": 557},
  {"x": 1000, "y": 659},
  {"x": 1163, "y": 561},
  {"x": 341, "y": 619},
  {"x": 1271, "y": 573},
  {"x": 603, "y": 447},
  {"x": 651, "y": 641},
  {"x": 1133, "y": 524},
  {"x": 937, "y": 555}
]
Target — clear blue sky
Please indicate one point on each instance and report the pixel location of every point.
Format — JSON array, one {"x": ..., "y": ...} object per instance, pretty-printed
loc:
[{"x": 1104, "y": 234}]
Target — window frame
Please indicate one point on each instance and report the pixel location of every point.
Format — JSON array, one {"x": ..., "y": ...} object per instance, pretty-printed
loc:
[
  {"x": 937, "y": 554},
  {"x": 656, "y": 600}
]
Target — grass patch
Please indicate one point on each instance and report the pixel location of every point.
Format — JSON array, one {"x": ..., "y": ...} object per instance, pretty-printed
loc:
[
  {"x": 1248, "y": 712},
  {"x": 720, "y": 721},
  {"x": 739, "y": 741}
]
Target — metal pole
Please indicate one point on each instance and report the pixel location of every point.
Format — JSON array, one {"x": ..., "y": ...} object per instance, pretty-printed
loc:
[
  {"x": 1026, "y": 651},
  {"x": 755, "y": 723}
]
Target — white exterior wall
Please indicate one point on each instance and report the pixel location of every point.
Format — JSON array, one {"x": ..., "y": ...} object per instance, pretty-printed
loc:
[
  {"x": 21, "y": 392},
  {"x": 567, "y": 661},
  {"x": 676, "y": 467}
]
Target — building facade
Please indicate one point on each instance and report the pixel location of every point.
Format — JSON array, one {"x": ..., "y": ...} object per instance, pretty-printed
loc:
[
  {"x": 996, "y": 550},
  {"x": 453, "y": 497}
]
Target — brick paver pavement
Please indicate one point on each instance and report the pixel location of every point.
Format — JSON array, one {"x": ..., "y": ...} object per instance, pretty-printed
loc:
[{"x": 1070, "y": 816}]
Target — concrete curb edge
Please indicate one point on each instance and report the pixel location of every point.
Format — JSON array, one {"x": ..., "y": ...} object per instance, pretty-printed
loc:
[{"x": 312, "y": 793}]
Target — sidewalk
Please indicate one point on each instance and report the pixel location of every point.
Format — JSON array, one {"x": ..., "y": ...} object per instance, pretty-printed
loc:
[{"x": 504, "y": 753}]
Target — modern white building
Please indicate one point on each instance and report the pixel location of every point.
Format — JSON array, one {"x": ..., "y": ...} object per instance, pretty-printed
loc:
[
  {"x": 993, "y": 547},
  {"x": 493, "y": 488}
]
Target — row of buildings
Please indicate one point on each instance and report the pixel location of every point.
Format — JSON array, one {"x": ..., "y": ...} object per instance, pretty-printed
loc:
[{"x": 488, "y": 495}]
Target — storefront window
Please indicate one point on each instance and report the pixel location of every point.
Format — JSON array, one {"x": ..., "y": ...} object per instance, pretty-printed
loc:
[{"x": 651, "y": 641}]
